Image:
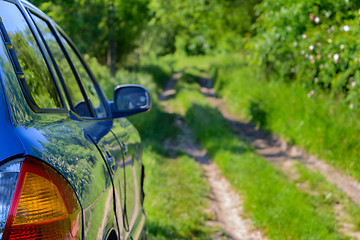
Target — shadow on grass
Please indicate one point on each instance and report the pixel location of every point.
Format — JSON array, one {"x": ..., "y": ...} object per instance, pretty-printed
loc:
[
  {"x": 156, "y": 231},
  {"x": 258, "y": 115},
  {"x": 155, "y": 126},
  {"x": 159, "y": 74},
  {"x": 208, "y": 125}
]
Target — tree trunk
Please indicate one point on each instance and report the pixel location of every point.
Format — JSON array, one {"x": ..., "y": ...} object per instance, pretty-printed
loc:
[{"x": 111, "y": 53}]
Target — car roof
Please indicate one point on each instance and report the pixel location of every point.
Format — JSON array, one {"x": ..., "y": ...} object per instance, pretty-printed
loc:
[{"x": 34, "y": 8}]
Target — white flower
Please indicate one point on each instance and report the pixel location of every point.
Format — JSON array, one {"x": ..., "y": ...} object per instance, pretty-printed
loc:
[
  {"x": 336, "y": 57},
  {"x": 353, "y": 84},
  {"x": 293, "y": 70},
  {"x": 310, "y": 93},
  {"x": 311, "y": 47},
  {"x": 317, "y": 20},
  {"x": 295, "y": 44},
  {"x": 342, "y": 46},
  {"x": 321, "y": 66},
  {"x": 329, "y": 40},
  {"x": 302, "y": 52},
  {"x": 316, "y": 79},
  {"x": 306, "y": 55},
  {"x": 351, "y": 106},
  {"x": 311, "y": 57},
  {"x": 346, "y": 28},
  {"x": 303, "y": 36}
]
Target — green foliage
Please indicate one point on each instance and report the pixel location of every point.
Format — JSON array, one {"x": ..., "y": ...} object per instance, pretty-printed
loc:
[
  {"x": 153, "y": 27},
  {"x": 89, "y": 24},
  {"x": 313, "y": 42},
  {"x": 198, "y": 27}
]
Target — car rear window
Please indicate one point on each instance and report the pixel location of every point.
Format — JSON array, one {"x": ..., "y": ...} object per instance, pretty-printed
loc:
[{"x": 37, "y": 75}]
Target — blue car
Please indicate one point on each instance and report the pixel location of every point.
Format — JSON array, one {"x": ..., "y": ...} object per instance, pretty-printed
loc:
[{"x": 70, "y": 162}]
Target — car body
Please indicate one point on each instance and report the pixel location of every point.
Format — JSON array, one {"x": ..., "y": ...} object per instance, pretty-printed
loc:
[{"x": 70, "y": 162}]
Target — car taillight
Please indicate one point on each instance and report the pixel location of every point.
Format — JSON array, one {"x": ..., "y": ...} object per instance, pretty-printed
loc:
[{"x": 43, "y": 206}]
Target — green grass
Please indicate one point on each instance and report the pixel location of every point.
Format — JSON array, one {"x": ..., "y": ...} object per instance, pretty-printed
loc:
[
  {"x": 176, "y": 194},
  {"x": 274, "y": 203},
  {"x": 328, "y": 195},
  {"x": 323, "y": 125}
]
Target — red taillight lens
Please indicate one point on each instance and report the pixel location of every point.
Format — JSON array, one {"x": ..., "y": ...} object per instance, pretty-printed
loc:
[{"x": 44, "y": 205}]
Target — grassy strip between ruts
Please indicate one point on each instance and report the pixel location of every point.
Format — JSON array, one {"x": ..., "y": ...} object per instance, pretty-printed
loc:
[{"x": 274, "y": 203}]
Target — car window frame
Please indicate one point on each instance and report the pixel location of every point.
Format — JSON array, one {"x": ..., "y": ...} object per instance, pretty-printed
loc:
[
  {"x": 24, "y": 87},
  {"x": 97, "y": 87},
  {"x": 64, "y": 85},
  {"x": 55, "y": 30}
]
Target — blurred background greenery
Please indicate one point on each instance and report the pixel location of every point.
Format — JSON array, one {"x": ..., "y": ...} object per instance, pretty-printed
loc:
[
  {"x": 153, "y": 27},
  {"x": 311, "y": 41}
]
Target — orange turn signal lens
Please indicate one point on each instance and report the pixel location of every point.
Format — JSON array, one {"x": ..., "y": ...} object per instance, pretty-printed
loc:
[
  {"x": 44, "y": 205},
  {"x": 35, "y": 208}
]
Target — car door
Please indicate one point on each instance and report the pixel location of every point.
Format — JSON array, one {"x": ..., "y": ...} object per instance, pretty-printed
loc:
[
  {"x": 112, "y": 138},
  {"x": 130, "y": 170},
  {"x": 119, "y": 142}
]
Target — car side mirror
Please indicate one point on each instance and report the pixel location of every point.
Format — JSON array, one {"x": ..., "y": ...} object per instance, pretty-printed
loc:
[{"x": 130, "y": 99}]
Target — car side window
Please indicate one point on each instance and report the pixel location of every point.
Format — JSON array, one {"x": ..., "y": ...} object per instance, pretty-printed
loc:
[
  {"x": 85, "y": 79},
  {"x": 73, "y": 88},
  {"x": 38, "y": 78}
]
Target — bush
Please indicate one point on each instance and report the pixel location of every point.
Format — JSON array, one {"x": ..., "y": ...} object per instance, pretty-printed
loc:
[{"x": 313, "y": 42}]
